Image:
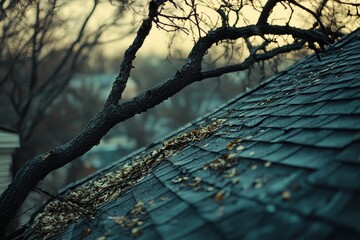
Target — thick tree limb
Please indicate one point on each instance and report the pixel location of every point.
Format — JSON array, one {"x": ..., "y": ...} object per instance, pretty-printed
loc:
[{"x": 37, "y": 168}]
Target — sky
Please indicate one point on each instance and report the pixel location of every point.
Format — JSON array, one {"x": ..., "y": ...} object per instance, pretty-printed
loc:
[{"x": 158, "y": 40}]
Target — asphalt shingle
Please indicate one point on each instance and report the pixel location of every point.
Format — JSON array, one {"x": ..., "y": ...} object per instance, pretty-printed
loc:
[
  {"x": 284, "y": 165},
  {"x": 350, "y": 153}
]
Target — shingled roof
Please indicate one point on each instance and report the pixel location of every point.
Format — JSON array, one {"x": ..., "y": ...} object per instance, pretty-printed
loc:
[{"x": 281, "y": 161}]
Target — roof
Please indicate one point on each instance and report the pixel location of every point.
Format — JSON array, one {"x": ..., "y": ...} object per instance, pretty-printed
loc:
[{"x": 279, "y": 162}]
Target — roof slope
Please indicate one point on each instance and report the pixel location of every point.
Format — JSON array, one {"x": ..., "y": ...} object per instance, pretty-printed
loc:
[{"x": 281, "y": 162}]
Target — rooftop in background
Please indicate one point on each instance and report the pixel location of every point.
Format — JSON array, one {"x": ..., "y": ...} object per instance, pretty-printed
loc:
[
  {"x": 9, "y": 141},
  {"x": 101, "y": 83},
  {"x": 8, "y": 138},
  {"x": 280, "y": 161}
]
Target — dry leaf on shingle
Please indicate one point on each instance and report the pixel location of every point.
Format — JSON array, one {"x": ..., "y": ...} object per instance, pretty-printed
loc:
[
  {"x": 220, "y": 196},
  {"x": 231, "y": 145},
  {"x": 267, "y": 164},
  {"x": 230, "y": 173},
  {"x": 136, "y": 232},
  {"x": 177, "y": 180},
  {"x": 232, "y": 155},
  {"x": 120, "y": 220},
  {"x": 240, "y": 148},
  {"x": 138, "y": 208},
  {"x": 258, "y": 185},
  {"x": 252, "y": 153},
  {"x": 286, "y": 195},
  {"x": 210, "y": 189}
]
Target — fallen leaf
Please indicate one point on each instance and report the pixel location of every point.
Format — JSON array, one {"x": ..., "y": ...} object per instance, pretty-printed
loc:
[
  {"x": 151, "y": 202},
  {"x": 267, "y": 164},
  {"x": 220, "y": 196},
  {"x": 258, "y": 185},
  {"x": 232, "y": 155},
  {"x": 120, "y": 220},
  {"x": 177, "y": 180},
  {"x": 240, "y": 148},
  {"x": 101, "y": 238},
  {"x": 231, "y": 145},
  {"x": 286, "y": 195},
  {"x": 209, "y": 189},
  {"x": 138, "y": 208},
  {"x": 164, "y": 198},
  {"x": 231, "y": 173},
  {"x": 136, "y": 232}
]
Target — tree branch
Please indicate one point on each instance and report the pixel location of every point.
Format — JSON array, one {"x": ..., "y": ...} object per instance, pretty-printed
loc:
[
  {"x": 38, "y": 167},
  {"x": 347, "y": 3},
  {"x": 248, "y": 62},
  {"x": 126, "y": 66},
  {"x": 265, "y": 13},
  {"x": 315, "y": 15},
  {"x": 35, "y": 51}
]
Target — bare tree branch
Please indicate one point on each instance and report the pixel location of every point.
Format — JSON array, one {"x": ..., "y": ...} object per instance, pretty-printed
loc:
[
  {"x": 348, "y": 3},
  {"x": 315, "y": 15},
  {"x": 248, "y": 62},
  {"x": 24, "y": 108},
  {"x": 268, "y": 8},
  {"x": 126, "y": 66}
]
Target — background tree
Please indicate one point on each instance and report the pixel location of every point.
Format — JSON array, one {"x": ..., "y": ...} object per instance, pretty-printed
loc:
[
  {"x": 40, "y": 52},
  {"x": 246, "y": 41},
  {"x": 42, "y": 47}
]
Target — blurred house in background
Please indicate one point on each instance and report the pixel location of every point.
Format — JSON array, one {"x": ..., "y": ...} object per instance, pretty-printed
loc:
[
  {"x": 101, "y": 83},
  {"x": 108, "y": 151},
  {"x": 9, "y": 141}
]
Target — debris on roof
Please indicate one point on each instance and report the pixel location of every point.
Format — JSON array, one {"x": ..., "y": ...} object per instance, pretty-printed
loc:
[
  {"x": 281, "y": 161},
  {"x": 86, "y": 199}
]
